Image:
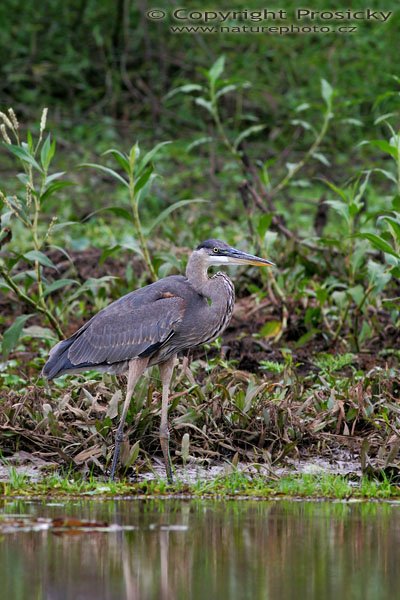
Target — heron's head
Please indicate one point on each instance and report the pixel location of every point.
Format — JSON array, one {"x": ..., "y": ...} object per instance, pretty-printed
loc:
[{"x": 220, "y": 253}]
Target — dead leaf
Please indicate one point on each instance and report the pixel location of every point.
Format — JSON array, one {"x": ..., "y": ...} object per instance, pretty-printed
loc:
[
  {"x": 112, "y": 410},
  {"x": 92, "y": 452}
]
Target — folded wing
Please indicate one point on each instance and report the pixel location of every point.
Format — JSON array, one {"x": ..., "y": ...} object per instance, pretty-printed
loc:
[{"x": 120, "y": 332}]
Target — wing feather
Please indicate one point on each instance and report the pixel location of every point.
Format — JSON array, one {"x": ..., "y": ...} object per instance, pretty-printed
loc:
[{"x": 118, "y": 335}]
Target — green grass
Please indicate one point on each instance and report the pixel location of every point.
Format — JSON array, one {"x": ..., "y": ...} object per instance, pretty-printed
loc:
[{"x": 235, "y": 485}]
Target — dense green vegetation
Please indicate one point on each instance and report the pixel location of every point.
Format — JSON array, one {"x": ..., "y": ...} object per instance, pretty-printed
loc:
[{"x": 153, "y": 141}]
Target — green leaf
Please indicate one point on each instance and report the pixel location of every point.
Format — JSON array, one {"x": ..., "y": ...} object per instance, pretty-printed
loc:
[
  {"x": 226, "y": 90},
  {"x": 378, "y": 275},
  {"x": 185, "y": 446},
  {"x": 36, "y": 255},
  {"x": 151, "y": 154},
  {"x": 184, "y": 89},
  {"x": 199, "y": 142},
  {"x": 365, "y": 333},
  {"x": 205, "y": 104},
  {"x": 322, "y": 158},
  {"x": 337, "y": 189},
  {"x": 23, "y": 178},
  {"x": 326, "y": 92},
  {"x": 379, "y": 243},
  {"x": 108, "y": 252},
  {"x": 357, "y": 293},
  {"x": 115, "y": 210},
  {"x": 339, "y": 298},
  {"x": 92, "y": 285},
  {"x": 386, "y": 174},
  {"x": 302, "y": 107},
  {"x": 121, "y": 159},
  {"x": 35, "y": 331},
  {"x": 341, "y": 208},
  {"x": 130, "y": 457},
  {"x": 264, "y": 223},
  {"x": 217, "y": 69},
  {"x": 29, "y": 139},
  {"x": 246, "y": 133},
  {"x": 304, "y": 124},
  {"x": 12, "y": 334},
  {"x": 142, "y": 193},
  {"x": 322, "y": 295},
  {"x": 54, "y": 176},
  {"x": 111, "y": 172},
  {"x": 24, "y": 155},
  {"x": 306, "y": 337},
  {"x": 134, "y": 154},
  {"x": 386, "y": 147},
  {"x": 59, "y": 226},
  {"x": 394, "y": 226},
  {"x": 54, "y": 187},
  {"x": 167, "y": 211},
  {"x": 291, "y": 167},
  {"x": 362, "y": 187},
  {"x": 271, "y": 329},
  {"x": 47, "y": 152},
  {"x": 352, "y": 121},
  {"x": 384, "y": 117},
  {"x": 132, "y": 245},
  {"x": 5, "y": 219},
  {"x": 143, "y": 179},
  {"x": 60, "y": 283},
  {"x": 5, "y": 286},
  {"x": 19, "y": 209}
]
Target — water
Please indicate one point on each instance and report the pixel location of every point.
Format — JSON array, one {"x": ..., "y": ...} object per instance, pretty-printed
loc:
[{"x": 176, "y": 549}]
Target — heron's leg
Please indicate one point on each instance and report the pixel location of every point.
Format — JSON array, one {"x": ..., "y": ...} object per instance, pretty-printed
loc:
[
  {"x": 166, "y": 370},
  {"x": 136, "y": 369}
]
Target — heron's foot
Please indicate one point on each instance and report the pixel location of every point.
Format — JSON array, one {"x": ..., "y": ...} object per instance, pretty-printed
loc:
[
  {"x": 119, "y": 437},
  {"x": 118, "y": 441},
  {"x": 114, "y": 465},
  {"x": 168, "y": 468},
  {"x": 164, "y": 441}
]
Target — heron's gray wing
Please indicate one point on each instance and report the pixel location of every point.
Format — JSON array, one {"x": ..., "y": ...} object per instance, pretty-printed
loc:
[{"x": 113, "y": 336}]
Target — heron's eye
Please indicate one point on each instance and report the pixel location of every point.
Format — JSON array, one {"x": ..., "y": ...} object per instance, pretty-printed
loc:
[{"x": 215, "y": 250}]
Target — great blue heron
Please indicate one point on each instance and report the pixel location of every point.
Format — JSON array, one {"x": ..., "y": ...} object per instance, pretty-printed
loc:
[{"x": 151, "y": 325}]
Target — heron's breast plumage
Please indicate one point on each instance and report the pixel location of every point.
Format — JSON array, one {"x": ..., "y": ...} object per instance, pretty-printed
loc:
[
  {"x": 224, "y": 306},
  {"x": 206, "y": 318}
]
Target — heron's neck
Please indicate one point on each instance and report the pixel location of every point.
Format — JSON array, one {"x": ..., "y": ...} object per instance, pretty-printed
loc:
[
  {"x": 219, "y": 289},
  {"x": 214, "y": 288},
  {"x": 196, "y": 272}
]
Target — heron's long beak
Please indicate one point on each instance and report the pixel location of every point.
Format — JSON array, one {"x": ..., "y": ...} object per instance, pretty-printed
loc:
[{"x": 237, "y": 257}]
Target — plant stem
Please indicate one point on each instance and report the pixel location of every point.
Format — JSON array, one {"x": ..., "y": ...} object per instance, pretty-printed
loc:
[
  {"x": 138, "y": 227},
  {"x": 218, "y": 123},
  {"x": 22, "y": 296},
  {"x": 40, "y": 304},
  {"x": 283, "y": 183},
  {"x": 341, "y": 323},
  {"x": 398, "y": 163}
]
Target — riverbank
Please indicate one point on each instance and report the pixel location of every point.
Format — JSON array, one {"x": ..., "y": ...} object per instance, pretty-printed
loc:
[{"x": 310, "y": 480}]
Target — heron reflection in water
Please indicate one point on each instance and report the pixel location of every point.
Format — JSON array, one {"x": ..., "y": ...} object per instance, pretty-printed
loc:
[{"x": 151, "y": 325}]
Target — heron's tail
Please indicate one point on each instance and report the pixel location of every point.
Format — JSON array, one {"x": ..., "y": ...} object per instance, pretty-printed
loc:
[{"x": 58, "y": 361}]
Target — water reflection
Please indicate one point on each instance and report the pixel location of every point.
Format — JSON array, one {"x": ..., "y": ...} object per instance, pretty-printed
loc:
[{"x": 207, "y": 550}]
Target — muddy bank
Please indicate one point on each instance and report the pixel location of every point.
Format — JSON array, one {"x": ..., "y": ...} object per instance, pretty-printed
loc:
[{"x": 345, "y": 464}]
